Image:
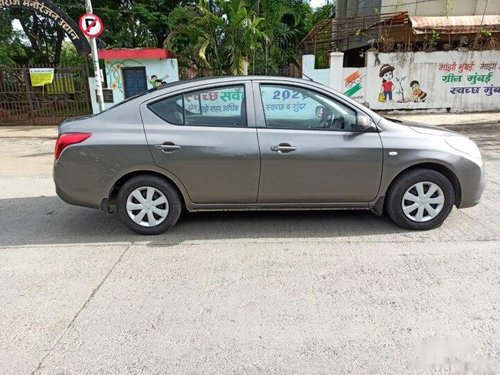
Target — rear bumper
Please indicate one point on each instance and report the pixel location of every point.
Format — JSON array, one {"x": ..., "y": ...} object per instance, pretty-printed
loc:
[{"x": 75, "y": 187}]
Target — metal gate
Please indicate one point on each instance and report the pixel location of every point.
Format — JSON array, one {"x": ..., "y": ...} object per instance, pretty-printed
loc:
[{"x": 23, "y": 104}]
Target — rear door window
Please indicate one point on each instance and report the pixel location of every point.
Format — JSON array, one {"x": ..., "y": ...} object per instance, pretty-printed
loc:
[{"x": 223, "y": 106}]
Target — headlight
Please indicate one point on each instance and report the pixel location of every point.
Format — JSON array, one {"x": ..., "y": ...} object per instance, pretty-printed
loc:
[{"x": 464, "y": 145}]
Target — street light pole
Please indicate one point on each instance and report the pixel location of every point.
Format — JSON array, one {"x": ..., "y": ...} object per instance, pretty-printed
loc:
[{"x": 95, "y": 61}]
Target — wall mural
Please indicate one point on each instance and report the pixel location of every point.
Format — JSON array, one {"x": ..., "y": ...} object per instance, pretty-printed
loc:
[
  {"x": 455, "y": 80},
  {"x": 353, "y": 84},
  {"x": 154, "y": 81},
  {"x": 417, "y": 94},
  {"x": 387, "y": 87},
  {"x": 387, "y": 74},
  {"x": 113, "y": 71},
  {"x": 469, "y": 79}
]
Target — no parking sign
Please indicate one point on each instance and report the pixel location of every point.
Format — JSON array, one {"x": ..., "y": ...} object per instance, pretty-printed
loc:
[{"x": 91, "y": 25}]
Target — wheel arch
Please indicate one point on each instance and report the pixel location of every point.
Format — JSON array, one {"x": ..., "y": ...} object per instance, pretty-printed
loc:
[
  {"x": 445, "y": 171},
  {"x": 111, "y": 200}
]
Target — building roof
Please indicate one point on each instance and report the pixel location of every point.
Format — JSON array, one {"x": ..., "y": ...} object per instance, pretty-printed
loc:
[
  {"x": 455, "y": 24},
  {"x": 135, "y": 53}
]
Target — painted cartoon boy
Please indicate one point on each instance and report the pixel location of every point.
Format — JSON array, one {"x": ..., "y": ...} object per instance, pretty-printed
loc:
[
  {"x": 386, "y": 73},
  {"x": 157, "y": 82},
  {"x": 417, "y": 94}
]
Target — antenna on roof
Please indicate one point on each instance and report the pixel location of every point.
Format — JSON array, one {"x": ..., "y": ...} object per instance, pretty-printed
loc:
[
  {"x": 304, "y": 74},
  {"x": 309, "y": 78}
]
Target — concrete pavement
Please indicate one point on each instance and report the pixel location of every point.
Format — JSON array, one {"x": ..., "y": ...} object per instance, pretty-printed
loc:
[{"x": 443, "y": 118}]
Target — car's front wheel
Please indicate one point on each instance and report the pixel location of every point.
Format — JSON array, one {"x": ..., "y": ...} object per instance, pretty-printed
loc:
[
  {"x": 420, "y": 199},
  {"x": 148, "y": 205}
]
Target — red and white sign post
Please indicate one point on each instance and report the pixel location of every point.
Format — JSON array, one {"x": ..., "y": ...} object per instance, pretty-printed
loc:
[{"x": 91, "y": 25}]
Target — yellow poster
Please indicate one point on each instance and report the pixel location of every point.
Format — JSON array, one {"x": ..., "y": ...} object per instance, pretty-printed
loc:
[{"x": 41, "y": 76}]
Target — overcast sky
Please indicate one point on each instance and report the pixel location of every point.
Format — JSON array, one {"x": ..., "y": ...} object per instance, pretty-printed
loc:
[{"x": 317, "y": 3}]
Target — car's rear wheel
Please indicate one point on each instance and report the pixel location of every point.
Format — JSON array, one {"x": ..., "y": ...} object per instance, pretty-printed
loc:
[
  {"x": 420, "y": 199},
  {"x": 148, "y": 205}
]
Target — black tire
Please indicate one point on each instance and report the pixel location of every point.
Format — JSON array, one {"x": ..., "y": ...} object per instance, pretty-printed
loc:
[
  {"x": 394, "y": 199},
  {"x": 173, "y": 205}
]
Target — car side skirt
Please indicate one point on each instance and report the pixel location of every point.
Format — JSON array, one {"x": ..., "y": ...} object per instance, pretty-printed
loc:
[{"x": 279, "y": 206}]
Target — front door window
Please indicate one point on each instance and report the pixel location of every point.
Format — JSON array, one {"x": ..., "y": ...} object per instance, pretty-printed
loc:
[{"x": 287, "y": 107}]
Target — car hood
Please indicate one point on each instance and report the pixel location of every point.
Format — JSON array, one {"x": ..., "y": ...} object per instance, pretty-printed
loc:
[
  {"x": 431, "y": 130},
  {"x": 424, "y": 129}
]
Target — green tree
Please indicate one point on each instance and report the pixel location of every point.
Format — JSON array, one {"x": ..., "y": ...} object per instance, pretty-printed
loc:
[
  {"x": 320, "y": 14},
  {"x": 154, "y": 14},
  {"x": 70, "y": 56},
  {"x": 11, "y": 50},
  {"x": 286, "y": 23},
  {"x": 41, "y": 38},
  {"x": 217, "y": 37},
  {"x": 128, "y": 23}
]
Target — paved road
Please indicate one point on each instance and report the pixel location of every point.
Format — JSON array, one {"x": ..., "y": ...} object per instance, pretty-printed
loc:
[{"x": 320, "y": 292}]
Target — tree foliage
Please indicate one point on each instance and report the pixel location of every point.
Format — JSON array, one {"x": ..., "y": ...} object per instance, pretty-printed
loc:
[
  {"x": 217, "y": 37},
  {"x": 220, "y": 37},
  {"x": 210, "y": 37},
  {"x": 10, "y": 43}
]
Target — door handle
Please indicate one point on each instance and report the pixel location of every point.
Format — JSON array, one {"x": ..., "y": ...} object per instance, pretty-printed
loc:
[
  {"x": 283, "y": 148},
  {"x": 167, "y": 147}
]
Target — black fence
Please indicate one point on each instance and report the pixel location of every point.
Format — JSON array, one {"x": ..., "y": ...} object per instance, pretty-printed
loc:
[{"x": 26, "y": 100}]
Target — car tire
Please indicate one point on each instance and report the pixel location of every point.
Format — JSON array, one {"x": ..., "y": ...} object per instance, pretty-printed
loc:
[
  {"x": 148, "y": 205},
  {"x": 420, "y": 199}
]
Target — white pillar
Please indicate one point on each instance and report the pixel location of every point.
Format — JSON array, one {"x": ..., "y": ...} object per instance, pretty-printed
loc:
[
  {"x": 336, "y": 69},
  {"x": 308, "y": 66}
]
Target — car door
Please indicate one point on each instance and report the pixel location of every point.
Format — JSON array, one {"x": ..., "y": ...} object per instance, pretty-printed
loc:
[
  {"x": 310, "y": 151},
  {"x": 205, "y": 139}
]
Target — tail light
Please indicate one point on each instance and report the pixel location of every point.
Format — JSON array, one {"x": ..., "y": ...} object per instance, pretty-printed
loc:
[{"x": 67, "y": 139}]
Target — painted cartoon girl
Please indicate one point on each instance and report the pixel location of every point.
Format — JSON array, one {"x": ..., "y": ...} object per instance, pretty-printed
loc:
[{"x": 386, "y": 73}]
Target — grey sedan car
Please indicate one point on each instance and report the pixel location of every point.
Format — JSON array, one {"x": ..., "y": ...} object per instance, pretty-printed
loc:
[{"x": 241, "y": 143}]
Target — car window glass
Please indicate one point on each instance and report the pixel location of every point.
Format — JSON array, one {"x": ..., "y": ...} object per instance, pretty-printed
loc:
[
  {"x": 291, "y": 107},
  {"x": 216, "y": 107},
  {"x": 224, "y": 106},
  {"x": 169, "y": 109}
]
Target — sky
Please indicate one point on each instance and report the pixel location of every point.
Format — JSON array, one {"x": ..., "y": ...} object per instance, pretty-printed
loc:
[{"x": 317, "y": 3}]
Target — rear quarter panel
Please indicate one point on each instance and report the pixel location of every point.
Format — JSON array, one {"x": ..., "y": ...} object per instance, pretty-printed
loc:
[{"x": 86, "y": 172}]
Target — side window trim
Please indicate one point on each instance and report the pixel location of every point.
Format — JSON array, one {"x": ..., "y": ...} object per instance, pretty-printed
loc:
[{"x": 244, "y": 102}]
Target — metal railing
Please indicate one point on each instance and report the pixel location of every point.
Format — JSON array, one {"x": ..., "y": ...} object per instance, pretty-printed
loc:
[
  {"x": 343, "y": 34},
  {"x": 21, "y": 103}
]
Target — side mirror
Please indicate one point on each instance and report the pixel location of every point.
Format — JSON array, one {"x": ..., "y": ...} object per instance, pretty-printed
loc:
[{"x": 363, "y": 123}]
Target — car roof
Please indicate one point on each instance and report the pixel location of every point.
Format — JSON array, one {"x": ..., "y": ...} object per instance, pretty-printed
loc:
[
  {"x": 203, "y": 81},
  {"x": 222, "y": 79},
  {"x": 194, "y": 82}
]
